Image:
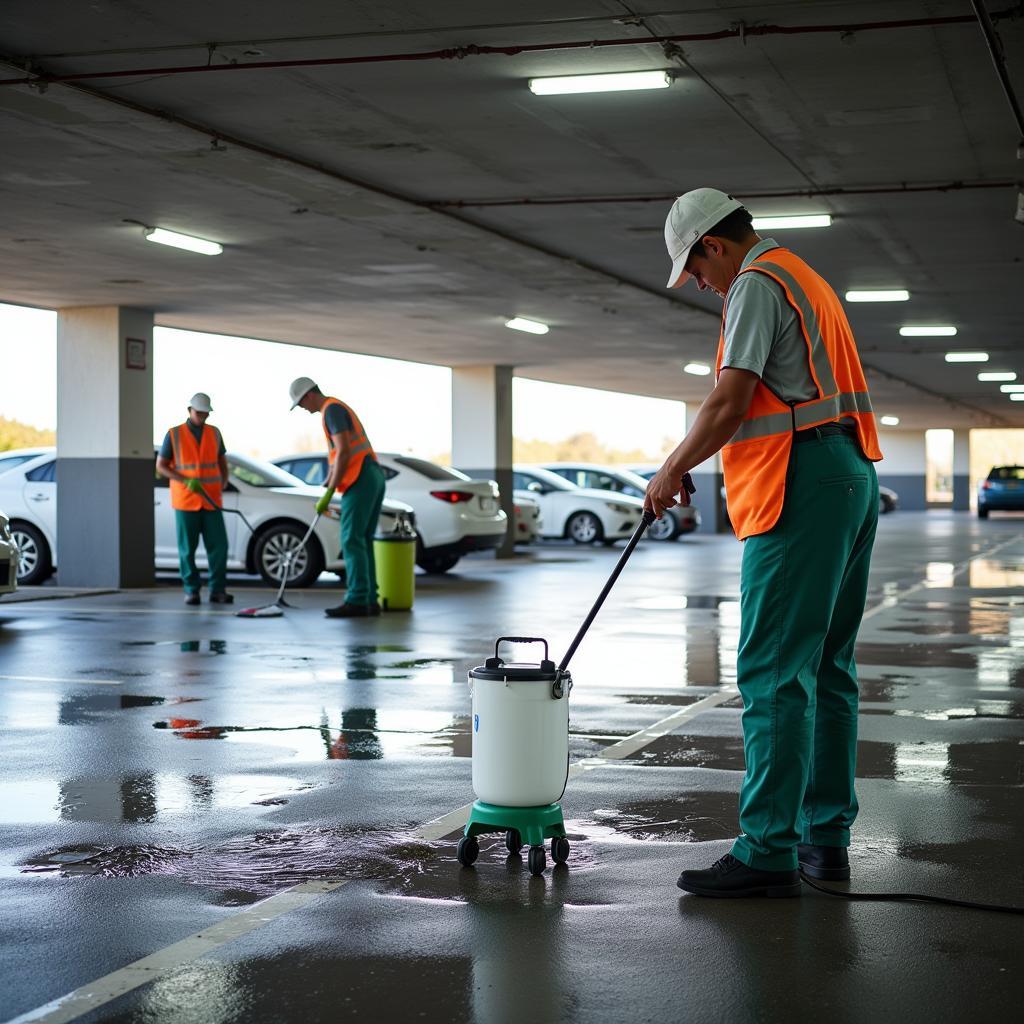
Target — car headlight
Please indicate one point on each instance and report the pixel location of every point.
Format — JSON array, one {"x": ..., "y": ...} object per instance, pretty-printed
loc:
[
  {"x": 619, "y": 510},
  {"x": 5, "y": 530}
]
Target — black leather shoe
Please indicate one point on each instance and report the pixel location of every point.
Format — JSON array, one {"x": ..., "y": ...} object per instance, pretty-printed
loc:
[
  {"x": 349, "y": 611},
  {"x": 729, "y": 877},
  {"x": 222, "y": 598},
  {"x": 192, "y": 598},
  {"x": 829, "y": 863}
]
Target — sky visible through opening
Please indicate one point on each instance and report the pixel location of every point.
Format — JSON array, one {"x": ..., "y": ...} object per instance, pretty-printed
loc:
[{"x": 405, "y": 406}]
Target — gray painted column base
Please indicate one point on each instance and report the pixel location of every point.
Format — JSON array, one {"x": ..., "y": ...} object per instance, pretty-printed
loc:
[
  {"x": 503, "y": 477},
  {"x": 708, "y": 501},
  {"x": 961, "y": 493},
  {"x": 909, "y": 486},
  {"x": 105, "y": 534}
]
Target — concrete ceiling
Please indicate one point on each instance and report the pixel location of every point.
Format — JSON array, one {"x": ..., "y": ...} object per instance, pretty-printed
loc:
[{"x": 357, "y": 202}]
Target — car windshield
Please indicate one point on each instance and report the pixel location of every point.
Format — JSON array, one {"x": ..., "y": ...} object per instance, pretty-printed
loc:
[
  {"x": 260, "y": 474},
  {"x": 1007, "y": 473},
  {"x": 431, "y": 470},
  {"x": 548, "y": 480}
]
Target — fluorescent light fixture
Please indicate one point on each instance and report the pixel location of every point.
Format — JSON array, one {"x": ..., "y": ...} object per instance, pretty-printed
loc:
[
  {"x": 810, "y": 220},
  {"x": 935, "y": 331},
  {"x": 1017, "y": 396},
  {"x": 628, "y": 81},
  {"x": 890, "y": 421},
  {"x": 697, "y": 369},
  {"x": 966, "y": 357},
  {"x": 997, "y": 375},
  {"x": 520, "y": 323},
  {"x": 1011, "y": 389},
  {"x": 879, "y": 295},
  {"x": 179, "y": 241}
]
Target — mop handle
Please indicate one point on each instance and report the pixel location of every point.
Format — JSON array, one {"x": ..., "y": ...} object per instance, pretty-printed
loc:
[
  {"x": 646, "y": 519},
  {"x": 291, "y": 554},
  {"x": 220, "y": 508}
]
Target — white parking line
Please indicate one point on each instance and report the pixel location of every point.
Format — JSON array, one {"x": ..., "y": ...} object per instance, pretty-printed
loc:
[
  {"x": 114, "y": 985},
  {"x": 63, "y": 679}
]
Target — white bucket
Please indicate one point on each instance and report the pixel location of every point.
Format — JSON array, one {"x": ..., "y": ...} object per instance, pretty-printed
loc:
[{"x": 520, "y": 733}]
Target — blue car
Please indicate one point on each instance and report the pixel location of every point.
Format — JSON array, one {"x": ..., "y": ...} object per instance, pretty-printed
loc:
[{"x": 1003, "y": 491}]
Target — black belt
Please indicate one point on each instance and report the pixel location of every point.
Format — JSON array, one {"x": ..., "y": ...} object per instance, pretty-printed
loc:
[{"x": 825, "y": 430}]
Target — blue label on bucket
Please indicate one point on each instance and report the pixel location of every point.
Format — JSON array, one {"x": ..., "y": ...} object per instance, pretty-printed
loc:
[{"x": 476, "y": 723}]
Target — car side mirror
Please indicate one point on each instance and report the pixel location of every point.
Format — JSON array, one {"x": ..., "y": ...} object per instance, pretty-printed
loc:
[
  {"x": 535, "y": 487},
  {"x": 230, "y": 488}
]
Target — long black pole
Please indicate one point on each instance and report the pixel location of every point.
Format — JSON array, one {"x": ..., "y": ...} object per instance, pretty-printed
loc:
[{"x": 645, "y": 521}]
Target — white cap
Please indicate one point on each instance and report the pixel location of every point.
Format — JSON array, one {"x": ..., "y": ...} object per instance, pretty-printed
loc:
[
  {"x": 200, "y": 401},
  {"x": 693, "y": 215},
  {"x": 299, "y": 388}
]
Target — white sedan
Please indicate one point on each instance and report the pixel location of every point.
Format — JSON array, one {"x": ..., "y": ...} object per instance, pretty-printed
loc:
[
  {"x": 678, "y": 520},
  {"x": 9, "y": 558},
  {"x": 584, "y": 514},
  {"x": 276, "y": 506},
  {"x": 454, "y": 513}
]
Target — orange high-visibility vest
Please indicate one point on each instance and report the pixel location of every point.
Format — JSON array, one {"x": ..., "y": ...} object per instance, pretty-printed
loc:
[
  {"x": 358, "y": 445},
  {"x": 755, "y": 461},
  {"x": 199, "y": 462}
]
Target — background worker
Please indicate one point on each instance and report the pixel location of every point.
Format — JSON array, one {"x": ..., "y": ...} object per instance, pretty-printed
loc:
[
  {"x": 791, "y": 414},
  {"x": 193, "y": 458},
  {"x": 356, "y": 474}
]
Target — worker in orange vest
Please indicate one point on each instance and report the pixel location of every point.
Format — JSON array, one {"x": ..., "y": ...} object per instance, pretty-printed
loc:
[
  {"x": 791, "y": 415},
  {"x": 355, "y": 473},
  {"x": 193, "y": 458}
]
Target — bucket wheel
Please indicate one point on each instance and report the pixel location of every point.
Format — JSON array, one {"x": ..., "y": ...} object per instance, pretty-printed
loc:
[
  {"x": 536, "y": 860},
  {"x": 467, "y": 851},
  {"x": 559, "y": 849},
  {"x": 513, "y": 841}
]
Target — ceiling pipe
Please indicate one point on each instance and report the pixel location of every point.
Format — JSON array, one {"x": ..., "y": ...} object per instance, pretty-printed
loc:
[
  {"x": 805, "y": 193},
  {"x": 740, "y": 31},
  {"x": 995, "y": 49}
]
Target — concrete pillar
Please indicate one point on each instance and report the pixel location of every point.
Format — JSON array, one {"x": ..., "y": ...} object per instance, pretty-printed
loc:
[
  {"x": 903, "y": 466},
  {"x": 708, "y": 479},
  {"x": 482, "y": 432},
  {"x": 105, "y": 447},
  {"x": 961, "y": 470}
]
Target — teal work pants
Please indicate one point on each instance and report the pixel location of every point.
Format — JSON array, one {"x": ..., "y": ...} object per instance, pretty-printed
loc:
[
  {"x": 802, "y": 591},
  {"x": 360, "y": 509},
  {"x": 208, "y": 524}
]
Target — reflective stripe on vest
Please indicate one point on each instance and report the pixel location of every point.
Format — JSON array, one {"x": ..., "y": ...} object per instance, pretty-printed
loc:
[
  {"x": 359, "y": 447},
  {"x": 756, "y": 458},
  {"x": 196, "y": 461}
]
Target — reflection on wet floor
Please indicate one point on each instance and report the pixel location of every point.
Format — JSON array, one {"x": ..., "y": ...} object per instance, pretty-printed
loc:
[{"x": 695, "y": 817}]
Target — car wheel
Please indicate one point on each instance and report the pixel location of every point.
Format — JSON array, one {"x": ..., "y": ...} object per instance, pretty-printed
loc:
[
  {"x": 584, "y": 528},
  {"x": 665, "y": 528},
  {"x": 982, "y": 513},
  {"x": 436, "y": 564},
  {"x": 35, "y": 563},
  {"x": 273, "y": 548}
]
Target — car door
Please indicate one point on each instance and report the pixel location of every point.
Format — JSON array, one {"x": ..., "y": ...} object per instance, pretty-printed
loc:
[
  {"x": 165, "y": 539},
  {"x": 40, "y": 493}
]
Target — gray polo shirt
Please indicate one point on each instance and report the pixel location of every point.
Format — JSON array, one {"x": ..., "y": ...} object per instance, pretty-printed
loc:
[{"x": 762, "y": 333}]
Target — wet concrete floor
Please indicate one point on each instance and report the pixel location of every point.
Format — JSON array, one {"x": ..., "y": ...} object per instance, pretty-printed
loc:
[{"x": 167, "y": 769}]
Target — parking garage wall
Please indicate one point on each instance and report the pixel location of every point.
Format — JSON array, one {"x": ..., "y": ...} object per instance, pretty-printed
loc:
[{"x": 903, "y": 466}]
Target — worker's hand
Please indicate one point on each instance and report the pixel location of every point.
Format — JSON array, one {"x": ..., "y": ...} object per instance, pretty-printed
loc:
[
  {"x": 667, "y": 488},
  {"x": 325, "y": 500},
  {"x": 194, "y": 485}
]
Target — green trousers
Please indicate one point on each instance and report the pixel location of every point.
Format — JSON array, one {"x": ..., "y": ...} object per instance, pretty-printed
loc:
[
  {"x": 802, "y": 591},
  {"x": 360, "y": 509},
  {"x": 208, "y": 524}
]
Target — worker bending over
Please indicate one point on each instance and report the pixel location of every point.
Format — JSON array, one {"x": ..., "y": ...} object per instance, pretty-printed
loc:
[
  {"x": 193, "y": 458},
  {"x": 355, "y": 473},
  {"x": 791, "y": 415}
]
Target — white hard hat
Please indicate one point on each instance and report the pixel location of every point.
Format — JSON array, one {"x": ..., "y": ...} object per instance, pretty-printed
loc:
[
  {"x": 200, "y": 401},
  {"x": 693, "y": 215},
  {"x": 299, "y": 388}
]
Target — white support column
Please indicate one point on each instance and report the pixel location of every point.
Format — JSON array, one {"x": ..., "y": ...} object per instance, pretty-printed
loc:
[
  {"x": 482, "y": 432},
  {"x": 903, "y": 466},
  {"x": 105, "y": 447},
  {"x": 708, "y": 479},
  {"x": 961, "y": 470}
]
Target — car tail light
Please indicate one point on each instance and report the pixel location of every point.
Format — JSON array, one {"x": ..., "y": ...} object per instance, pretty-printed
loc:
[
  {"x": 517, "y": 509},
  {"x": 986, "y": 485},
  {"x": 452, "y": 497}
]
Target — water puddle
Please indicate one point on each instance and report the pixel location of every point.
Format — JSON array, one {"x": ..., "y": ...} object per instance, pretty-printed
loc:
[
  {"x": 89, "y": 708},
  {"x": 690, "y": 818}
]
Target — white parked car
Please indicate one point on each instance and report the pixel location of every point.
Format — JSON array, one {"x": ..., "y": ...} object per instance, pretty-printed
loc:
[
  {"x": 528, "y": 519},
  {"x": 454, "y": 513},
  {"x": 583, "y": 514},
  {"x": 679, "y": 520},
  {"x": 16, "y": 456},
  {"x": 278, "y": 507},
  {"x": 9, "y": 558}
]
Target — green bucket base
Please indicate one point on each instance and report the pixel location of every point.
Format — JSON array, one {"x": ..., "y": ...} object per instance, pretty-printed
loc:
[{"x": 534, "y": 824}]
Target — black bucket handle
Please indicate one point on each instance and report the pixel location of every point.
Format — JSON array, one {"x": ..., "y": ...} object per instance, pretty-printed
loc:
[{"x": 521, "y": 640}]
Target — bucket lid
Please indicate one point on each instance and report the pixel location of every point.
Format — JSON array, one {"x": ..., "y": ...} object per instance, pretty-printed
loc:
[{"x": 523, "y": 671}]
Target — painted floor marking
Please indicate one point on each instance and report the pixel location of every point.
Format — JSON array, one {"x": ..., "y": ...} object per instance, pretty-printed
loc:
[
  {"x": 63, "y": 679},
  {"x": 114, "y": 985}
]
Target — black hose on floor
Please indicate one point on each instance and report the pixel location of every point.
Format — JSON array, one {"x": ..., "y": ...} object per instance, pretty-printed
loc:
[{"x": 912, "y": 897}]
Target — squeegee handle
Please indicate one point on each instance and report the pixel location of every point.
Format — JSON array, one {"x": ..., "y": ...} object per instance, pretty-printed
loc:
[
  {"x": 646, "y": 519},
  {"x": 220, "y": 508}
]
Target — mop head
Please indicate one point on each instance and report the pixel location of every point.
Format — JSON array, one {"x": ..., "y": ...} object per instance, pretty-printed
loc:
[{"x": 267, "y": 611}]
